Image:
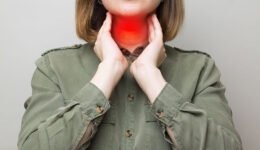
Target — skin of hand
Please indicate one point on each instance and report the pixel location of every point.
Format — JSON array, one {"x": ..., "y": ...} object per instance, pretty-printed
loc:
[
  {"x": 105, "y": 46},
  {"x": 145, "y": 68},
  {"x": 113, "y": 62}
]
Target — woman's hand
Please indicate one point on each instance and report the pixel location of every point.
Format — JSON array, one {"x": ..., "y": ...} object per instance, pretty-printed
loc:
[
  {"x": 154, "y": 54},
  {"x": 113, "y": 62},
  {"x": 145, "y": 67},
  {"x": 106, "y": 48}
]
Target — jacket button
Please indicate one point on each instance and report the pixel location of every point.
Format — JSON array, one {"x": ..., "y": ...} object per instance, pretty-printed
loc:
[
  {"x": 100, "y": 109},
  {"x": 160, "y": 114},
  {"x": 128, "y": 133},
  {"x": 130, "y": 97}
]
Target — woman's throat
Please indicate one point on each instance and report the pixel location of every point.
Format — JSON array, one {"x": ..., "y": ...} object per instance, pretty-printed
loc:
[{"x": 129, "y": 33}]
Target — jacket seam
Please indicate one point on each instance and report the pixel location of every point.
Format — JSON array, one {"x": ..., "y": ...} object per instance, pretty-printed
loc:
[
  {"x": 192, "y": 51},
  {"x": 76, "y": 46}
]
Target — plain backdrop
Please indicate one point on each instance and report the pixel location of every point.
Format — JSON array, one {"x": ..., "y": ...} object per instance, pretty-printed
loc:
[{"x": 226, "y": 29}]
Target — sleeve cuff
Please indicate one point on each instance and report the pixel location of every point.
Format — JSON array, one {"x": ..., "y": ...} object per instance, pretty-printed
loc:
[
  {"x": 167, "y": 103},
  {"x": 93, "y": 102}
]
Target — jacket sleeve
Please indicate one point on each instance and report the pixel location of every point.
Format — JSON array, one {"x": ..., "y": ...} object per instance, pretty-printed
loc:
[
  {"x": 202, "y": 122},
  {"x": 50, "y": 122}
]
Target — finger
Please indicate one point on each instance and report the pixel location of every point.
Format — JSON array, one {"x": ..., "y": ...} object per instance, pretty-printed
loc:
[
  {"x": 151, "y": 29},
  {"x": 107, "y": 25},
  {"x": 105, "y": 20},
  {"x": 157, "y": 26},
  {"x": 104, "y": 24}
]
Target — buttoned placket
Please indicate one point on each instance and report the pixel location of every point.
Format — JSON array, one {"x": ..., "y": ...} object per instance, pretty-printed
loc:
[
  {"x": 130, "y": 101},
  {"x": 129, "y": 105}
]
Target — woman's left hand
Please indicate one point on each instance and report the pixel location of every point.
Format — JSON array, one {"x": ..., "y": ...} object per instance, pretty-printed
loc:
[{"x": 145, "y": 68}]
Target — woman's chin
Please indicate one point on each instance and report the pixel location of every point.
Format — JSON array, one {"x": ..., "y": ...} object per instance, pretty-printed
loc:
[
  {"x": 129, "y": 10},
  {"x": 129, "y": 13}
]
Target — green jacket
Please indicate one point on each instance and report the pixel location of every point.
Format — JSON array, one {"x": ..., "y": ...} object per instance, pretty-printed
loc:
[{"x": 63, "y": 102}]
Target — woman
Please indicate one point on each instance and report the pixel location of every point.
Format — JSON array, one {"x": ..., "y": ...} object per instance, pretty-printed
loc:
[{"x": 119, "y": 91}]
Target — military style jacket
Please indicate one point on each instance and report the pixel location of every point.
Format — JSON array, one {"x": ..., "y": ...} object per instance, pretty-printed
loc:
[{"x": 63, "y": 102}]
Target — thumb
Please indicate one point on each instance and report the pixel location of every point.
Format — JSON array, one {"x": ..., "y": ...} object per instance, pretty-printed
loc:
[{"x": 108, "y": 22}]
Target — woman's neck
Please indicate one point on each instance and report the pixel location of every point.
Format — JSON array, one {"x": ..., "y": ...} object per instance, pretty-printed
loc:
[{"x": 130, "y": 32}]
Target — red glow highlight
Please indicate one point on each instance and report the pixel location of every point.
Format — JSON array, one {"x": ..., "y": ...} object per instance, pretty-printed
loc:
[{"x": 129, "y": 31}]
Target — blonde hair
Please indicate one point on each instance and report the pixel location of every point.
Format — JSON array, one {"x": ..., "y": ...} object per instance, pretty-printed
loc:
[{"x": 90, "y": 16}]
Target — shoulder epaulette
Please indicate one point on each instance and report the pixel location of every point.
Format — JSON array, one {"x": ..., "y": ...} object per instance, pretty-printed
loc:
[
  {"x": 192, "y": 51},
  {"x": 75, "y": 46}
]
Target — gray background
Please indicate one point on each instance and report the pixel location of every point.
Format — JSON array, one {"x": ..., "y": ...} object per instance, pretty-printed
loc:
[{"x": 226, "y": 29}]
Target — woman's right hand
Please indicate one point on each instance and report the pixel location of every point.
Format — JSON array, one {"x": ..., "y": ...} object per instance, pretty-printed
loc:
[
  {"x": 106, "y": 48},
  {"x": 113, "y": 62}
]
